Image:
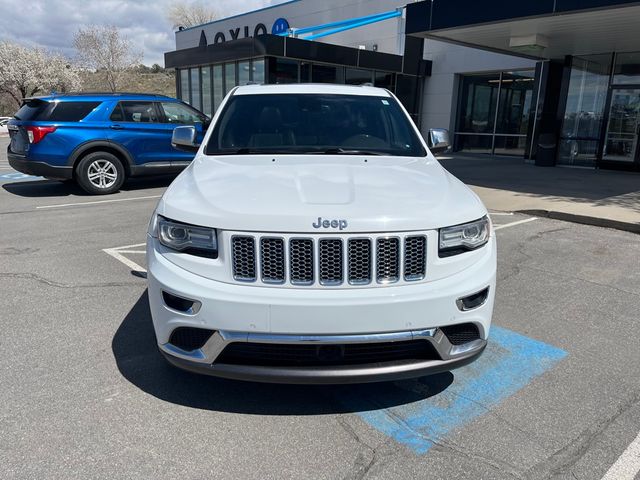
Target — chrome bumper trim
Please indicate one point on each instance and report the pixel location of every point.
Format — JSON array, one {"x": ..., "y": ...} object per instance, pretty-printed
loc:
[{"x": 220, "y": 339}]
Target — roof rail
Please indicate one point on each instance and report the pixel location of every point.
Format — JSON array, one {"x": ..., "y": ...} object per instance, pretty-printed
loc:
[{"x": 111, "y": 94}]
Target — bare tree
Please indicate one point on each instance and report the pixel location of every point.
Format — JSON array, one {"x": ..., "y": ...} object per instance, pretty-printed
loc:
[
  {"x": 103, "y": 48},
  {"x": 25, "y": 71},
  {"x": 188, "y": 14}
]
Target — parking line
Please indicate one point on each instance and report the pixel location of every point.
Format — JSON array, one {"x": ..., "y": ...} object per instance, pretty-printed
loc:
[
  {"x": 99, "y": 202},
  {"x": 513, "y": 224},
  {"x": 628, "y": 464},
  {"x": 115, "y": 253}
]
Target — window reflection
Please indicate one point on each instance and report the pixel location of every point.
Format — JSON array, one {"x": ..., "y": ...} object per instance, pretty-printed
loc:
[
  {"x": 195, "y": 88},
  {"x": 584, "y": 112},
  {"x": 494, "y": 111},
  {"x": 627, "y": 68}
]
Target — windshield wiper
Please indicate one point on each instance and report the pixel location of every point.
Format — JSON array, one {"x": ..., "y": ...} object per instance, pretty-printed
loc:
[{"x": 347, "y": 151}]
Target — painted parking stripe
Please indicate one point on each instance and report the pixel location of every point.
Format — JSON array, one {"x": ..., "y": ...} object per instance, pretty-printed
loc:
[
  {"x": 513, "y": 224},
  {"x": 98, "y": 202},
  {"x": 628, "y": 464},
  {"x": 115, "y": 253},
  {"x": 509, "y": 363},
  {"x": 17, "y": 176}
]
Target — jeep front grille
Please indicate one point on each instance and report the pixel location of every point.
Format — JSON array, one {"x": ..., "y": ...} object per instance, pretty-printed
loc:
[
  {"x": 272, "y": 264},
  {"x": 331, "y": 262},
  {"x": 244, "y": 258},
  {"x": 328, "y": 261}
]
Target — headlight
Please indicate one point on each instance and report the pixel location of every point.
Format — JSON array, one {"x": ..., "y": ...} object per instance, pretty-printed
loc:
[
  {"x": 465, "y": 237},
  {"x": 187, "y": 238}
]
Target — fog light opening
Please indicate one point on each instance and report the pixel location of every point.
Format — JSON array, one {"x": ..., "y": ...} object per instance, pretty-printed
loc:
[
  {"x": 473, "y": 301},
  {"x": 184, "y": 305}
]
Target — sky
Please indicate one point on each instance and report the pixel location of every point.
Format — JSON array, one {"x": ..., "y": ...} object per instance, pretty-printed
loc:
[{"x": 51, "y": 23}]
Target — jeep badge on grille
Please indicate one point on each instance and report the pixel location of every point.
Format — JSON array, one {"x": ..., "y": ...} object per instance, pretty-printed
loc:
[{"x": 339, "y": 224}]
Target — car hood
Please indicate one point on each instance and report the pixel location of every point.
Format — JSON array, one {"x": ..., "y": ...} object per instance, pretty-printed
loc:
[{"x": 289, "y": 193}]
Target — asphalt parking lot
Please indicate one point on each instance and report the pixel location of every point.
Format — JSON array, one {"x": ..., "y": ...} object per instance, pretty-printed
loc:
[{"x": 85, "y": 394}]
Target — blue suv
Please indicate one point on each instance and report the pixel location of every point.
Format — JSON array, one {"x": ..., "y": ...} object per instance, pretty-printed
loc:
[{"x": 98, "y": 140}]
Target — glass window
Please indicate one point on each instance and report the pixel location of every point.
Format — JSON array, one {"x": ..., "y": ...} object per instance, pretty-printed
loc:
[
  {"x": 327, "y": 74},
  {"x": 509, "y": 145},
  {"x": 243, "y": 73},
  {"x": 514, "y": 106},
  {"x": 384, "y": 80},
  {"x": 623, "y": 129},
  {"x": 314, "y": 123},
  {"x": 65, "y": 111},
  {"x": 478, "y": 103},
  {"x": 283, "y": 71},
  {"x": 181, "y": 114},
  {"x": 229, "y": 76},
  {"x": 258, "y": 70},
  {"x": 206, "y": 90},
  {"x": 30, "y": 109},
  {"x": 584, "y": 112},
  {"x": 492, "y": 106},
  {"x": 474, "y": 143},
  {"x": 218, "y": 86},
  {"x": 139, "y": 112},
  {"x": 195, "y": 88},
  {"x": 355, "y": 76},
  {"x": 627, "y": 68},
  {"x": 305, "y": 72},
  {"x": 184, "y": 85},
  {"x": 117, "y": 115}
]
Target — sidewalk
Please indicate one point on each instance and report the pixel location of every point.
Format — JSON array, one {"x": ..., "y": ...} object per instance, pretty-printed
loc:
[{"x": 595, "y": 197}]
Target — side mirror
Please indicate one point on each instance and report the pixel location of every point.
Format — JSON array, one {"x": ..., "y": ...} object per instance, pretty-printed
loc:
[
  {"x": 184, "y": 138},
  {"x": 438, "y": 140}
]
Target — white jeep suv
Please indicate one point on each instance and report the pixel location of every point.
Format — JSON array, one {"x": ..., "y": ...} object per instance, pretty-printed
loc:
[{"x": 315, "y": 239}]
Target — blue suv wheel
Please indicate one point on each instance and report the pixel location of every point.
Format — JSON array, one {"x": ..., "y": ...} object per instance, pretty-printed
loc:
[{"x": 100, "y": 173}]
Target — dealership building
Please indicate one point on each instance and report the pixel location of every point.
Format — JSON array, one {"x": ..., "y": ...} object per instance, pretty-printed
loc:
[{"x": 555, "y": 82}]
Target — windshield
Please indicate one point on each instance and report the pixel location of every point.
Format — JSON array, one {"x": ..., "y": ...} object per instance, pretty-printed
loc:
[{"x": 314, "y": 123}]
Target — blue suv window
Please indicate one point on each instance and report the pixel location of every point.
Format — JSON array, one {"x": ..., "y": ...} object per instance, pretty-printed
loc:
[
  {"x": 179, "y": 113},
  {"x": 138, "y": 112},
  {"x": 55, "y": 111}
]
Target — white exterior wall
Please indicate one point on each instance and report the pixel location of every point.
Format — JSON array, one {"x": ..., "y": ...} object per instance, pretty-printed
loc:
[
  {"x": 449, "y": 61},
  {"x": 306, "y": 13}
]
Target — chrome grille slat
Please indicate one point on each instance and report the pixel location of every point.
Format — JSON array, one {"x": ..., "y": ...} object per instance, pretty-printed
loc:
[
  {"x": 388, "y": 259},
  {"x": 415, "y": 256},
  {"x": 272, "y": 260},
  {"x": 330, "y": 253},
  {"x": 328, "y": 261}
]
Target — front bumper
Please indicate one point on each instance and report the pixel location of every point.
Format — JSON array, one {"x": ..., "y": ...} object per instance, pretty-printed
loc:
[
  {"x": 203, "y": 360},
  {"x": 38, "y": 169},
  {"x": 256, "y": 314}
]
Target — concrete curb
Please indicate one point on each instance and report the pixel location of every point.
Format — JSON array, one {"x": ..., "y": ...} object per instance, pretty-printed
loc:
[{"x": 585, "y": 220}]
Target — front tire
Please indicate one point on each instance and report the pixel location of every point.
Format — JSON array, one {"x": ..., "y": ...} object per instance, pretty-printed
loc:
[{"x": 100, "y": 173}]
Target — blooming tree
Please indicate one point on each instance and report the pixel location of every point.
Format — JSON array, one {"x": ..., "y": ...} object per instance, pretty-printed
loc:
[
  {"x": 183, "y": 14},
  {"x": 26, "y": 71},
  {"x": 104, "y": 49}
]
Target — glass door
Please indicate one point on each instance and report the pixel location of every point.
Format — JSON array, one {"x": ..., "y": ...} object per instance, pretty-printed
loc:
[{"x": 621, "y": 140}]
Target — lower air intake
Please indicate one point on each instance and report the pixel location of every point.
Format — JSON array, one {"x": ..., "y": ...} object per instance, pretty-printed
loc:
[
  {"x": 304, "y": 355},
  {"x": 461, "y": 333},
  {"x": 189, "y": 338}
]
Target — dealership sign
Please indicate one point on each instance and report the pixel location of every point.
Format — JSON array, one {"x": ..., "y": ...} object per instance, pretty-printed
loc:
[{"x": 281, "y": 25}]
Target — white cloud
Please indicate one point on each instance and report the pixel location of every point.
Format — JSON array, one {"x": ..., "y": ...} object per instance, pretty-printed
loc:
[{"x": 51, "y": 24}]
